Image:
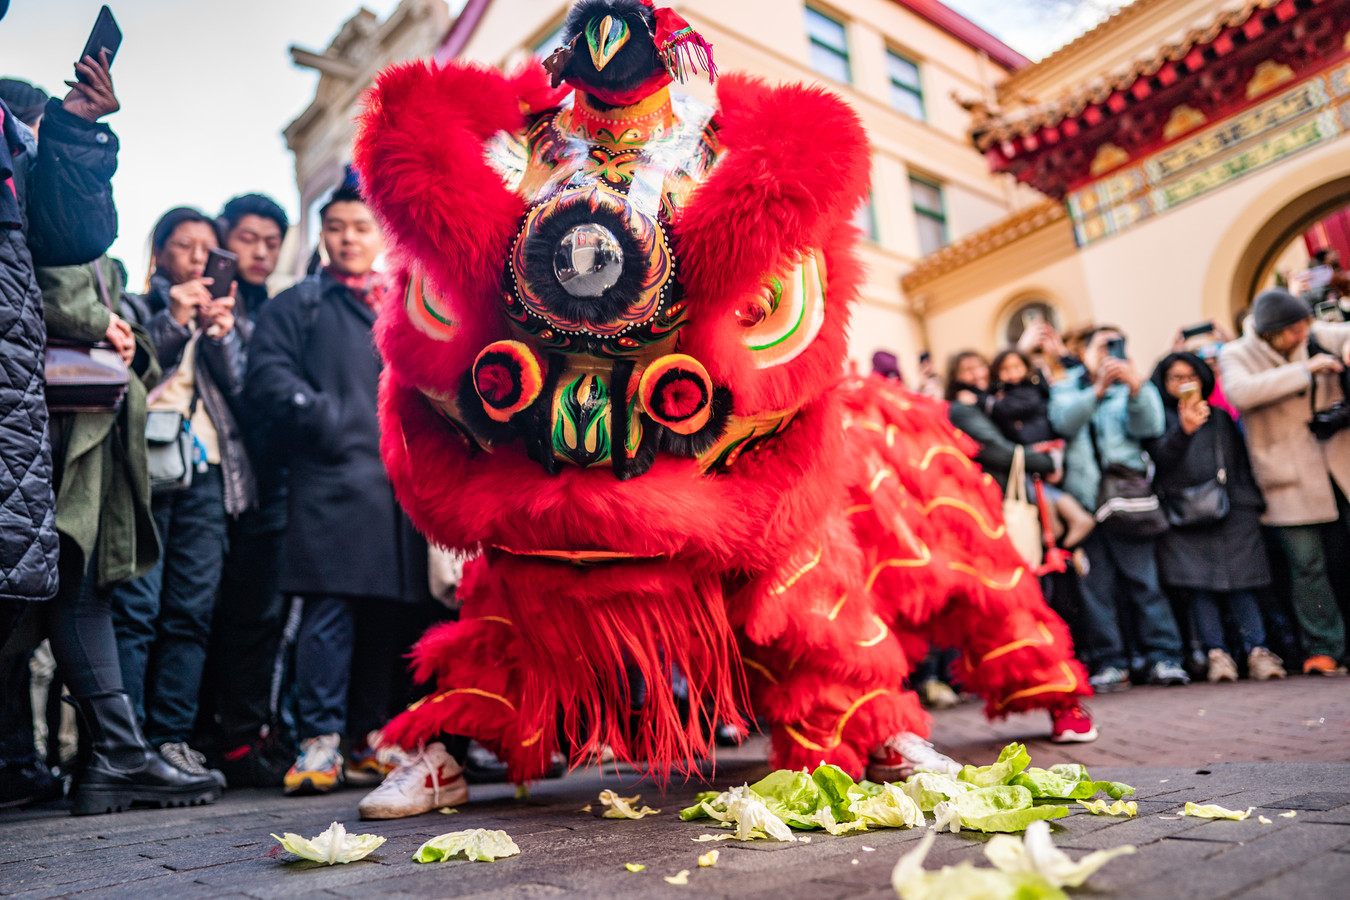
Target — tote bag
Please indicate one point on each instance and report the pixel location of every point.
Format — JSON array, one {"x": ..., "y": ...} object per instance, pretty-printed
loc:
[{"x": 1022, "y": 517}]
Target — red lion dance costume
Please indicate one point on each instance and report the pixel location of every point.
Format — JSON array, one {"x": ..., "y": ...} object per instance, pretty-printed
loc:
[{"x": 616, "y": 373}]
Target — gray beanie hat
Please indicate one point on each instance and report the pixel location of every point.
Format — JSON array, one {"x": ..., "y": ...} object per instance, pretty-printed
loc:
[{"x": 1276, "y": 309}]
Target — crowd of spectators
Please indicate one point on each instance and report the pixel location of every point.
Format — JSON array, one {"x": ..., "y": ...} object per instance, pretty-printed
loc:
[
  {"x": 1201, "y": 499},
  {"x": 212, "y": 556}
]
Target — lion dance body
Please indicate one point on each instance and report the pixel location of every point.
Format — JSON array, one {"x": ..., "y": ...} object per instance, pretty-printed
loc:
[{"x": 616, "y": 374}]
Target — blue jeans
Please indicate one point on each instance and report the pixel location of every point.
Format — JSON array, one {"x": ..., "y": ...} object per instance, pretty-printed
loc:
[
  {"x": 163, "y": 618},
  {"x": 1122, "y": 580},
  {"x": 350, "y": 668},
  {"x": 1207, "y": 614}
]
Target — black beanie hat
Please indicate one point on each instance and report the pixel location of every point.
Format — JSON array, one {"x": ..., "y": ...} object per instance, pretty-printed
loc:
[{"x": 1276, "y": 309}]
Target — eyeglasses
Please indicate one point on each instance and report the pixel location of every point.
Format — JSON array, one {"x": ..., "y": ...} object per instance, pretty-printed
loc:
[{"x": 189, "y": 246}]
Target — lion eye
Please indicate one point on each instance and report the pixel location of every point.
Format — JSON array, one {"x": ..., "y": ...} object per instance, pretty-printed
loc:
[{"x": 757, "y": 307}]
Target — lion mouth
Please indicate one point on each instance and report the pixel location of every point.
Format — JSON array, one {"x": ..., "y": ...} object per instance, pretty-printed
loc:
[{"x": 577, "y": 557}]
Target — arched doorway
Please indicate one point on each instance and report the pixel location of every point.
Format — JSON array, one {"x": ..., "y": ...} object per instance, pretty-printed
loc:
[{"x": 1254, "y": 243}]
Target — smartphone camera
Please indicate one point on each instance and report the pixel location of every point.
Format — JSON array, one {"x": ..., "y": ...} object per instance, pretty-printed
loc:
[{"x": 1115, "y": 348}]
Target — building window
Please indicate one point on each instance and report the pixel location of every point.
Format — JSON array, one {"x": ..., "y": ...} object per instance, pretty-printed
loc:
[
  {"x": 929, "y": 214},
  {"x": 865, "y": 219},
  {"x": 829, "y": 46},
  {"x": 906, "y": 89}
]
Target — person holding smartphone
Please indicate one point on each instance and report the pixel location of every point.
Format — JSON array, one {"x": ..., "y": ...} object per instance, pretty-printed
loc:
[
  {"x": 163, "y": 618},
  {"x": 1218, "y": 566},
  {"x": 1283, "y": 370},
  {"x": 1105, "y": 409},
  {"x": 250, "y": 611}
]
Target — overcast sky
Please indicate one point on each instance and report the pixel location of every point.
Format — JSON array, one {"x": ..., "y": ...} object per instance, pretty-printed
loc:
[{"x": 207, "y": 87}]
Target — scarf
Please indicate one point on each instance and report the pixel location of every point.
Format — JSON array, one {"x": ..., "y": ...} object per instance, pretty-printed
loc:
[{"x": 369, "y": 288}]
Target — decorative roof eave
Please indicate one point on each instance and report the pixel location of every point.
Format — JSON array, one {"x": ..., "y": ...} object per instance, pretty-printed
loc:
[
  {"x": 966, "y": 31},
  {"x": 982, "y": 243},
  {"x": 1006, "y": 137}
]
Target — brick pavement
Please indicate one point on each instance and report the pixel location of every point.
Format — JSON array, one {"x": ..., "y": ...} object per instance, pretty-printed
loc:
[
  {"x": 1156, "y": 739},
  {"x": 1301, "y": 719}
]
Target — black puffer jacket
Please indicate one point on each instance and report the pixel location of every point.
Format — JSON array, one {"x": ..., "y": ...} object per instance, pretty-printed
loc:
[{"x": 60, "y": 213}]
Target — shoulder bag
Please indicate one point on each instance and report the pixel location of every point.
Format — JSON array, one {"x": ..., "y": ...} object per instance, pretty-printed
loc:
[
  {"x": 1127, "y": 505},
  {"x": 1022, "y": 517},
  {"x": 85, "y": 376},
  {"x": 1201, "y": 504}
]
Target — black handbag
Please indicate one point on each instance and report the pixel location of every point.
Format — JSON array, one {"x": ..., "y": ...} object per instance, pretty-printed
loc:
[
  {"x": 1127, "y": 505},
  {"x": 1325, "y": 423},
  {"x": 83, "y": 376},
  {"x": 1201, "y": 504}
]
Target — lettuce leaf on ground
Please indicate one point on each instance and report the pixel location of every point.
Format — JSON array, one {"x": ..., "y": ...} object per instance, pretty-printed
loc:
[
  {"x": 1119, "y": 808},
  {"x": 792, "y": 796},
  {"x": 1214, "y": 811},
  {"x": 475, "y": 844},
  {"x": 1006, "y": 807},
  {"x": 331, "y": 847},
  {"x": 1037, "y": 854},
  {"x": 1068, "y": 782},
  {"x": 890, "y": 808},
  {"x": 1011, "y": 761},
  {"x": 964, "y": 881},
  {"x": 617, "y": 807},
  {"x": 928, "y": 789}
]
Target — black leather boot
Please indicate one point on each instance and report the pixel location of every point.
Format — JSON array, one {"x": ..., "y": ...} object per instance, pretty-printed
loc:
[{"x": 122, "y": 770}]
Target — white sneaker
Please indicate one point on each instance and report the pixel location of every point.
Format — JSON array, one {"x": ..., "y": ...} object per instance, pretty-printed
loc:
[
  {"x": 903, "y": 754},
  {"x": 426, "y": 781}
]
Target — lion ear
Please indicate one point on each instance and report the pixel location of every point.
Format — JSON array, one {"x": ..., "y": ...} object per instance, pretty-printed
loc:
[{"x": 786, "y": 315}]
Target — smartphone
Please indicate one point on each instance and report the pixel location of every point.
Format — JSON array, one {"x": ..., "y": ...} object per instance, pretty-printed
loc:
[
  {"x": 1031, "y": 317},
  {"x": 105, "y": 36},
  {"x": 1189, "y": 394},
  {"x": 1116, "y": 348},
  {"x": 1329, "y": 311},
  {"x": 221, "y": 266},
  {"x": 1205, "y": 327}
]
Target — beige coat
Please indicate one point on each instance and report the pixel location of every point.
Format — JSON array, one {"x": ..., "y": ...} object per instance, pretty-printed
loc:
[{"x": 1291, "y": 465}]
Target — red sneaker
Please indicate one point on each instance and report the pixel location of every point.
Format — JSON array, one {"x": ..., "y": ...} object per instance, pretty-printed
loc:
[{"x": 1072, "y": 725}]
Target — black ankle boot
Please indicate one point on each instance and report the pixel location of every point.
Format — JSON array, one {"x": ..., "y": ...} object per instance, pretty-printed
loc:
[{"x": 122, "y": 770}]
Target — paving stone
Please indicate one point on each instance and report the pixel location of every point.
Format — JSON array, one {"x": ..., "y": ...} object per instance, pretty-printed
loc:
[
  {"x": 1327, "y": 875},
  {"x": 1240, "y": 866},
  {"x": 1323, "y": 800}
]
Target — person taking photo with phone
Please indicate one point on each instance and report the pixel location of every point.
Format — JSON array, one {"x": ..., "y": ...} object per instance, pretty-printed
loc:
[
  {"x": 163, "y": 618},
  {"x": 1105, "y": 409},
  {"x": 1214, "y": 555},
  {"x": 1284, "y": 372},
  {"x": 242, "y": 729}
]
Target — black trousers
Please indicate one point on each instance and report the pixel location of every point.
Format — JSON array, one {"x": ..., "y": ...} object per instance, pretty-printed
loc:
[{"x": 246, "y": 629}]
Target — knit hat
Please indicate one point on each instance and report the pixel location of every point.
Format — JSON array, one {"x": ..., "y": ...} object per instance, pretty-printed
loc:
[{"x": 1277, "y": 309}]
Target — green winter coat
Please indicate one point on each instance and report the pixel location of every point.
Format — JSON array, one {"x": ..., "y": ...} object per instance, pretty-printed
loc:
[{"x": 103, "y": 494}]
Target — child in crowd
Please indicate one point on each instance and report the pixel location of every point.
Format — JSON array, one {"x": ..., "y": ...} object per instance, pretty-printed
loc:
[{"x": 1018, "y": 404}]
